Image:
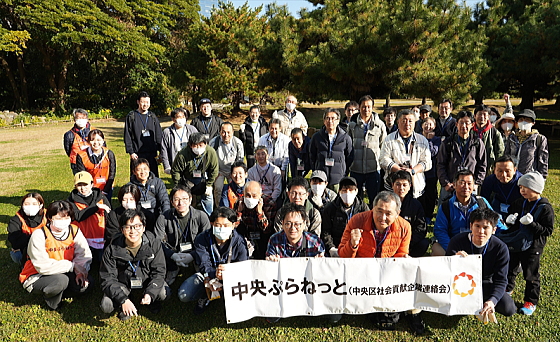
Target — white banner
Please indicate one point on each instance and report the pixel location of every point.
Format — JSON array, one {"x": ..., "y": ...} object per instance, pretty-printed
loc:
[{"x": 321, "y": 286}]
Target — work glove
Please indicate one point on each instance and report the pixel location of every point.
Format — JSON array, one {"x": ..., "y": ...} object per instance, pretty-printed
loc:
[{"x": 527, "y": 219}]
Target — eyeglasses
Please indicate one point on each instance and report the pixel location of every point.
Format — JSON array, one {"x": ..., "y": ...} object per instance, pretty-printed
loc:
[
  {"x": 331, "y": 118},
  {"x": 178, "y": 200},
  {"x": 133, "y": 226},
  {"x": 296, "y": 225},
  {"x": 296, "y": 194}
]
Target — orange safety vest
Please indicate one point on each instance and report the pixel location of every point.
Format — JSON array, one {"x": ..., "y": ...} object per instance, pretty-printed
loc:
[
  {"x": 78, "y": 145},
  {"x": 28, "y": 230},
  {"x": 93, "y": 227},
  {"x": 56, "y": 249},
  {"x": 233, "y": 197},
  {"x": 100, "y": 171}
]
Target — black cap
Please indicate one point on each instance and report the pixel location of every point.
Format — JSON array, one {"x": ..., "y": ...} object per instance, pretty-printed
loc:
[
  {"x": 527, "y": 113},
  {"x": 205, "y": 100},
  {"x": 347, "y": 181}
]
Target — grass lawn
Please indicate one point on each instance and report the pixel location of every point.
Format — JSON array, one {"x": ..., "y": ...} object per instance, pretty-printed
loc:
[{"x": 33, "y": 159}]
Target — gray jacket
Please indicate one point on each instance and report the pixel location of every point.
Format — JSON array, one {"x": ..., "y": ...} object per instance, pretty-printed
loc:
[
  {"x": 367, "y": 147},
  {"x": 531, "y": 154},
  {"x": 168, "y": 143}
]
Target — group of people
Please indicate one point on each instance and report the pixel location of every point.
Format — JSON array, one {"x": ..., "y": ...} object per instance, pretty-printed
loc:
[{"x": 255, "y": 202}]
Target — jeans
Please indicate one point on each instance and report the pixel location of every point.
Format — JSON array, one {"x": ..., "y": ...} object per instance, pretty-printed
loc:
[
  {"x": 207, "y": 201},
  {"x": 17, "y": 257},
  {"x": 371, "y": 181},
  {"x": 192, "y": 288}
]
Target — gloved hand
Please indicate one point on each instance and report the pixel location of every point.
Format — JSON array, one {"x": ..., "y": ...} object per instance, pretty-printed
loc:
[
  {"x": 511, "y": 218},
  {"x": 333, "y": 252},
  {"x": 242, "y": 128},
  {"x": 527, "y": 219},
  {"x": 168, "y": 170},
  {"x": 182, "y": 259},
  {"x": 208, "y": 191}
]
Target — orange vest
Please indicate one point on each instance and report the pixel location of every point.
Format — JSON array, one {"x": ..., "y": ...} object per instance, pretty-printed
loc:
[
  {"x": 233, "y": 197},
  {"x": 78, "y": 145},
  {"x": 56, "y": 249},
  {"x": 93, "y": 227},
  {"x": 28, "y": 230},
  {"x": 99, "y": 172}
]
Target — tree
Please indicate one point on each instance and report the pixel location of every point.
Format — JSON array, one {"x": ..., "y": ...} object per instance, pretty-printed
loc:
[{"x": 12, "y": 44}]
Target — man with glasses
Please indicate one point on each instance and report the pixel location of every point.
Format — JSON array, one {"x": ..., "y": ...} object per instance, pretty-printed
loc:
[
  {"x": 445, "y": 124},
  {"x": 133, "y": 265}
]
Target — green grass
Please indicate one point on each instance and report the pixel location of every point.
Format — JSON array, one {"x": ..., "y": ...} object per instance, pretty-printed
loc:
[{"x": 23, "y": 317}]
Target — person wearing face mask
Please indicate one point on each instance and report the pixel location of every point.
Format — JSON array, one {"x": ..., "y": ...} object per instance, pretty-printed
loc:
[
  {"x": 207, "y": 122},
  {"x": 175, "y": 137},
  {"x": 129, "y": 198},
  {"x": 250, "y": 131},
  {"x": 255, "y": 214},
  {"x": 59, "y": 258},
  {"x": 99, "y": 161},
  {"x": 320, "y": 194},
  {"x": 298, "y": 153},
  {"x": 75, "y": 140},
  {"x": 505, "y": 125},
  {"x": 489, "y": 135},
  {"x": 142, "y": 134},
  {"x": 152, "y": 189},
  {"x": 501, "y": 188},
  {"x": 133, "y": 266},
  {"x": 91, "y": 209},
  {"x": 213, "y": 248},
  {"x": 290, "y": 117},
  {"x": 30, "y": 217},
  {"x": 527, "y": 146},
  {"x": 429, "y": 197},
  {"x": 177, "y": 228},
  {"x": 233, "y": 192},
  {"x": 197, "y": 167},
  {"x": 337, "y": 213}
]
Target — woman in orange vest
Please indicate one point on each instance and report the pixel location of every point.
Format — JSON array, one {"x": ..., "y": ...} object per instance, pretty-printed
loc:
[
  {"x": 99, "y": 161},
  {"x": 30, "y": 216},
  {"x": 59, "y": 258}
]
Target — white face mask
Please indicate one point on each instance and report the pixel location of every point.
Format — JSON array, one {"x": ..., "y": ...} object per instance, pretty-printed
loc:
[
  {"x": 507, "y": 126},
  {"x": 181, "y": 122},
  {"x": 81, "y": 122},
  {"x": 348, "y": 197},
  {"x": 31, "y": 210},
  {"x": 250, "y": 202},
  {"x": 318, "y": 189},
  {"x": 290, "y": 106},
  {"x": 222, "y": 233},
  {"x": 524, "y": 126},
  {"x": 493, "y": 118},
  {"x": 128, "y": 205},
  {"x": 199, "y": 150},
  {"x": 60, "y": 225}
]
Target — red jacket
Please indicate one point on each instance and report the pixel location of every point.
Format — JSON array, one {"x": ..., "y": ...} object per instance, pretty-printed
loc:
[{"x": 395, "y": 245}]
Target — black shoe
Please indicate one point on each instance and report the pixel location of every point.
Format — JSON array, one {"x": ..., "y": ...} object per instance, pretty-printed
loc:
[
  {"x": 416, "y": 323},
  {"x": 201, "y": 305},
  {"x": 123, "y": 317},
  {"x": 155, "y": 307},
  {"x": 386, "y": 326}
]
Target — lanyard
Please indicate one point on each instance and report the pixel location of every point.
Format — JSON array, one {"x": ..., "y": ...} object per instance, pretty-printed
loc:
[
  {"x": 485, "y": 248},
  {"x": 350, "y": 213},
  {"x": 262, "y": 177},
  {"x": 214, "y": 251},
  {"x": 206, "y": 127},
  {"x": 197, "y": 163},
  {"x": 464, "y": 149},
  {"x": 331, "y": 143},
  {"x": 445, "y": 124},
  {"x": 145, "y": 124},
  {"x": 382, "y": 240},
  {"x": 534, "y": 206},
  {"x": 180, "y": 136},
  {"x": 510, "y": 190},
  {"x": 187, "y": 227},
  {"x": 144, "y": 192},
  {"x": 134, "y": 268}
]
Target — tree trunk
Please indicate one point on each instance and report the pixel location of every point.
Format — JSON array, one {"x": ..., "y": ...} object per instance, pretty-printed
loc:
[
  {"x": 13, "y": 83},
  {"x": 424, "y": 100},
  {"x": 478, "y": 99},
  {"x": 527, "y": 96},
  {"x": 23, "y": 82},
  {"x": 388, "y": 100}
]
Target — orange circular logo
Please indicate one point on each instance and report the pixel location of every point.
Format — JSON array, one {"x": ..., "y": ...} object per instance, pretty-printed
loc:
[{"x": 463, "y": 285}]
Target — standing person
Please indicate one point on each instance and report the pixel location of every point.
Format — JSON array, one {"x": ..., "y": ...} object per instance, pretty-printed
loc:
[
  {"x": 229, "y": 150},
  {"x": 527, "y": 146},
  {"x": 505, "y": 125},
  {"x": 90, "y": 209},
  {"x": 175, "y": 137},
  {"x": 407, "y": 151},
  {"x": 368, "y": 133},
  {"x": 250, "y": 131},
  {"x": 390, "y": 117},
  {"x": 298, "y": 153},
  {"x": 535, "y": 214},
  {"x": 424, "y": 112},
  {"x": 142, "y": 134},
  {"x": 331, "y": 149},
  {"x": 429, "y": 197},
  {"x": 206, "y": 122},
  {"x": 290, "y": 117},
  {"x": 445, "y": 124},
  {"x": 501, "y": 188},
  {"x": 212, "y": 249},
  {"x": 75, "y": 140},
  {"x": 276, "y": 143},
  {"x": 233, "y": 191},
  {"x": 196, "y": 166},
  {"x": 30, "y": 217},
  {"x": 154, "y": 193},
  {"x": 461, "y": 151},
  {"x": 133, "y": 264},
  {"x": 350, "y": 108},
  {"x": 59, "y": 258},
  {"x": 99, "y": 161},
  {"x": 495, "y": 260},
  {"x": 489, "y": 135},
  {"x": 266, "y": 174}
]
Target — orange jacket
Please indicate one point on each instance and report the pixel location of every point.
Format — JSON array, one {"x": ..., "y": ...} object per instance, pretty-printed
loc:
[
  {"x": 100, "y": 171},
  {"x": 56, "y": 249},
  {"x": 28, "y": 230},
  {"x": 93, "y": 227},
  {"x": 395, "y": 245}
]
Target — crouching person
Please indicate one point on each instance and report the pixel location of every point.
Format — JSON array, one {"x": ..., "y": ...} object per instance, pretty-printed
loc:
[
  {"x": 133, "y": 263},
  {"x": 212, "y": 249},
  {"x": 59, "y": 258},
  {"x": 495, "y": 260}
]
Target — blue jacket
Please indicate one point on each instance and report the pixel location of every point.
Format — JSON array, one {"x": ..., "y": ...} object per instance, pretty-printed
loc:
[
  {"x": 445, "y": 229},
  {"x": 206, "y": 257}
]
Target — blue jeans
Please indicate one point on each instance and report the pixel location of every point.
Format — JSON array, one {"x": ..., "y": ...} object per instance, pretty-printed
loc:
[
  {"x": 371, "y": 181},
  {"x": 192, "y": 288},
  {"x": 17, "y": 257},
  {"x": 207, "y": 202}
]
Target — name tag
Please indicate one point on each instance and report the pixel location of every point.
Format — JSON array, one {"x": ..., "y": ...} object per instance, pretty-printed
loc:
[
  {"x": 329, "y": 161},
  {"x": 185, "y": 247},
  {"x": 254, "y": 235},
  {"x": 100, "y": 180},
  {"x": 135, "y": 283},
  {"x": 197, "y": 174},
  {"x": 146, "y": 204},
  {"x": 504, "y": 207},
  {"x": 145, "y": 133},
  {"x": 300, "y": 168}
]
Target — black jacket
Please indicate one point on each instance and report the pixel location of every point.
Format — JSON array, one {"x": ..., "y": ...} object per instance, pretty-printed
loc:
[
  {"x": 115, "y": 270},
  {"x": 304, "y": 155},
  {"x": 113, "y": 228},
  {"x": 335, "y": 220},
  {"x": 211, "y": 128},
  {"x": 448, "y": 130},
  {"x": 542, "y": 225},
  {"x": 154, "y": 192},
  {"x": 91, "y": 202},
  {"x": 134, "y": 141},
  {"x": 450, "y": 160},
  {"x": 248, "y": 136},
  {"x": 413, "y": 212},
  {"x": 342, "y": 152}
]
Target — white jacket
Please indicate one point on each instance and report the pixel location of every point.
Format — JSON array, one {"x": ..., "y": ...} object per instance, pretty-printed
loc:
[
  {"x": 277, "y": 151},
  {"x": 297, "y": 121}
]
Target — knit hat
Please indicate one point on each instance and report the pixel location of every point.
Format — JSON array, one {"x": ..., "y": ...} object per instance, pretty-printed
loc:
[
  {"x": 532, "y": 180},
  {"x": 83, "y": 177}
]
